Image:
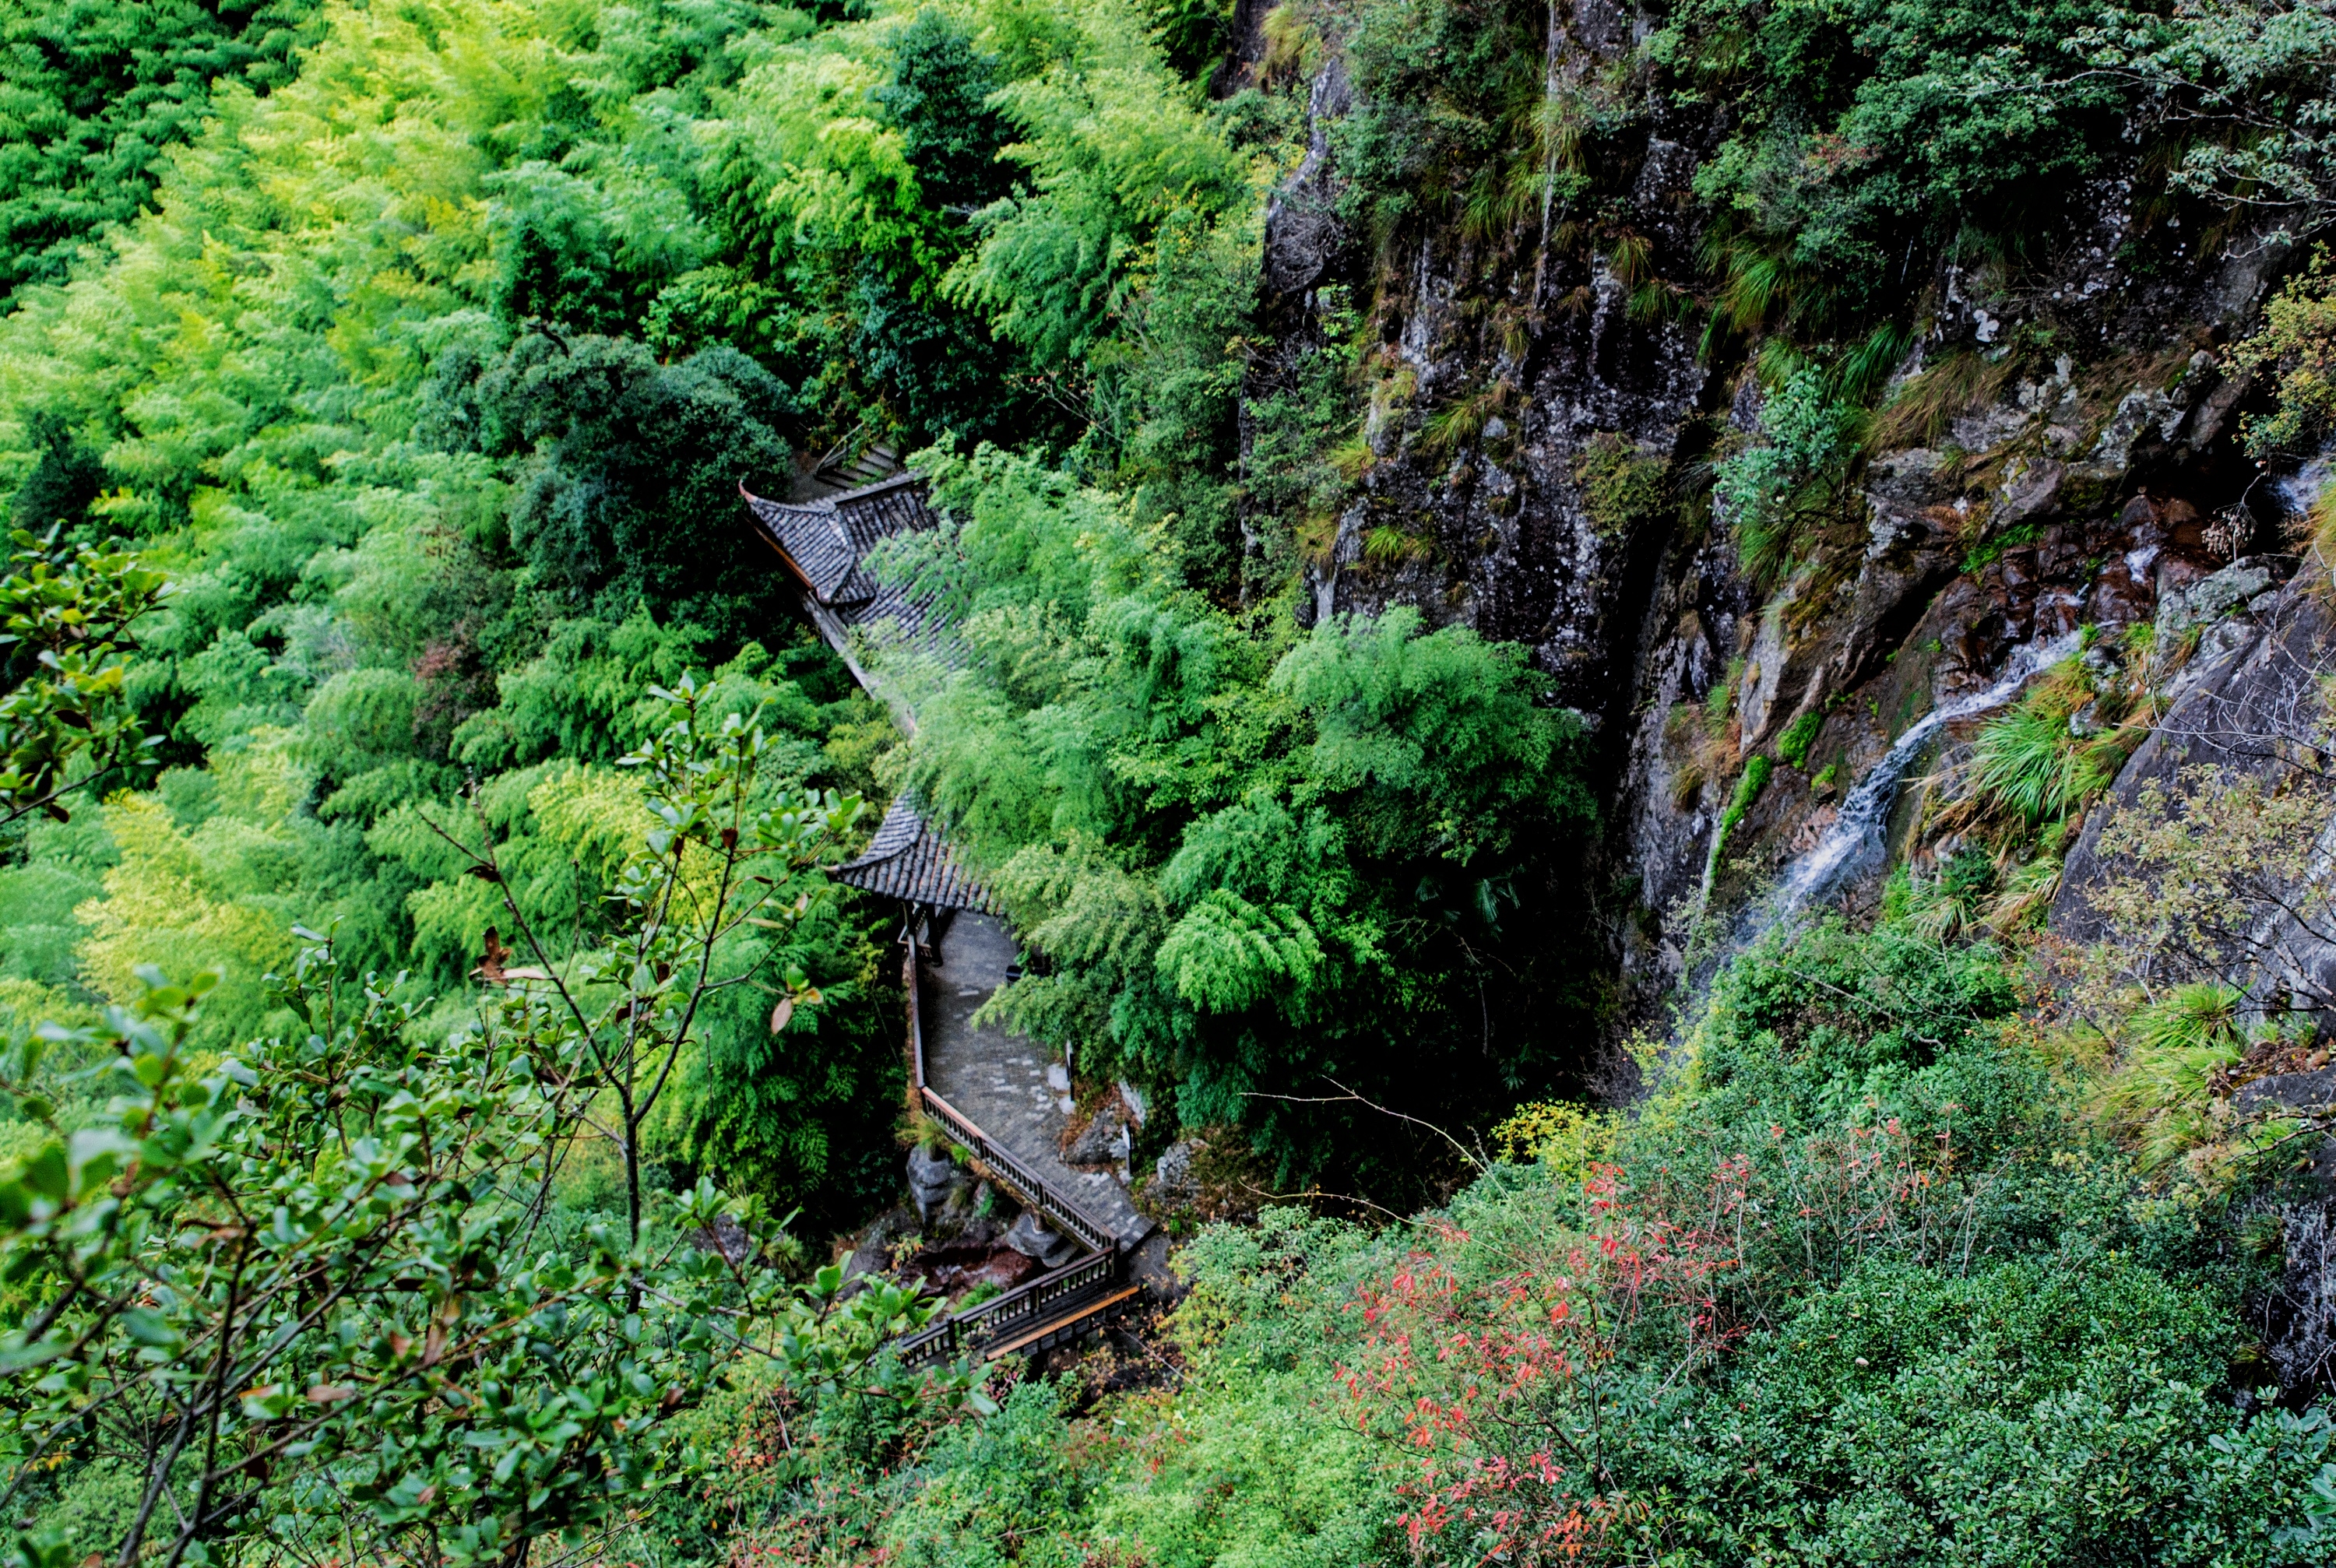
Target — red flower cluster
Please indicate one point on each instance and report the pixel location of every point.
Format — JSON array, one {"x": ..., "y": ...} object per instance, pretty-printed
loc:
[{"x": 1500, "y": 1390}]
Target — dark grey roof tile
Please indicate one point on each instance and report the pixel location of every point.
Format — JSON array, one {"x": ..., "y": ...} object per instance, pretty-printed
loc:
[{"x": 910, "y": 860}]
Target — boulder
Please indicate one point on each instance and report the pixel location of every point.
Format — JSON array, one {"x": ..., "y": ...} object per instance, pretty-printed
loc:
[
  {"x": 873, "y": 1253},
  {"x": 1104, "y": 1141},
  {"x": 2213, "y": 597},
  {"x": 1033, "y": 1237},
  {"x": 2313, "y": 1093},
  {"x": 1173, "y": 1184},
  {"x": 933, "y": 1178}
]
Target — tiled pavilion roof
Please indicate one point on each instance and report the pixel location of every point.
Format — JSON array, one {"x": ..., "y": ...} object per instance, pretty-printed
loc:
[
  {"x": 911, "y": 861},
  {"x": 825, "y": 543}
]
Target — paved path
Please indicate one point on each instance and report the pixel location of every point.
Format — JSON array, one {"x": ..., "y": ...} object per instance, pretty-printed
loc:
[
  {"x": 997, "y": 1079},
  {"x": 1000, "y": 1079}
]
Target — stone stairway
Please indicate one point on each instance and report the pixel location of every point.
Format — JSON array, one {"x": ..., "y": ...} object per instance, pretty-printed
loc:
[
  {"x": 990, "y": 1089},
  {"x": 1001, "y": 1081},
  {"x": 845, "y": 474}
]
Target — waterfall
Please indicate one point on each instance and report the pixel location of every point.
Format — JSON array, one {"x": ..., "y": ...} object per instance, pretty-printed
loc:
[
  {"x": 2299, "y": 491},
  {"x": 1853, "y": 845}
]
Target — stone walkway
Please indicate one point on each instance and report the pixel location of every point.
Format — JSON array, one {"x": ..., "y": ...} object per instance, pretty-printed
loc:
[{"x": 1000, "y": 1080}]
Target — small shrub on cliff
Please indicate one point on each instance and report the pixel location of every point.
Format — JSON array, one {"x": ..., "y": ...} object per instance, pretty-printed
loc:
[
  {"x": 1949, "y": 899},
  {"x": 1566, "y": 1137},
  {"x": 1622, "y": 486},
  {"x": 2217, "y": 884},
  {"x": 1873, "y": 135},
  {"x": 1702, "y": 738},
  {"x": 1769, "y": 487},
  {"x": 2296, "y": 349}
]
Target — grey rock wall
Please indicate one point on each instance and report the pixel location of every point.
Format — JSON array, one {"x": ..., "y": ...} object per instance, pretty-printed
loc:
[
  {"x": 2083, "y": 491},
  {"x": 2250, "y": 704}
]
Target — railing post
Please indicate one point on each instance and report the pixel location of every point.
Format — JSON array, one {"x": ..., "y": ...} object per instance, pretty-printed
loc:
[{"x": 909, "y": 984}]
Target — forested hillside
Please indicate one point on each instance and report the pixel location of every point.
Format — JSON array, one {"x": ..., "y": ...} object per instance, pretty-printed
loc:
[{"x": 1660, "y": 675}]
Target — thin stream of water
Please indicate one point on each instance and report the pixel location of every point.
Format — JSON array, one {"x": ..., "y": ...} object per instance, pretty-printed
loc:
[
  {"x": 1853, "y": 845},
  {"x": 2300, "y": 490}
]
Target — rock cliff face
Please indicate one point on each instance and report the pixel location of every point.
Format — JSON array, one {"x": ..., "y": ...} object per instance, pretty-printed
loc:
[{"x": 1521, "y": 387}]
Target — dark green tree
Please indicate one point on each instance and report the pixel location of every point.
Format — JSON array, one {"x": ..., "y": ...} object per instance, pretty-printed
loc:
[
  {"x": 65, "y": 479},
  {"x": 939, "y": 97},
  {"x": 935, "y": 363},
  {"x": 629, "y": 469}
]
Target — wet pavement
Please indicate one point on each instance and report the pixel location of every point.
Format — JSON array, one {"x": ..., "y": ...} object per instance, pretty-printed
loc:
[{"x": 1000, "y": 1080}]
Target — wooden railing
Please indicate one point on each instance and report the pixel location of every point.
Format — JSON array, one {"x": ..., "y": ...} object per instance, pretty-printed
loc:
[
  {"x": 1034, "y": 1189},
  {"x": 1026, "y": 1305}
]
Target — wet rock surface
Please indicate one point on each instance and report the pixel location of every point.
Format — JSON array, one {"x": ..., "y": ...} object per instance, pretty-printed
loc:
[
  {"x": 2213, "y": 597},
  {"x": 2089, "y": 487},
  {"x": 2314, "y": 1092}
]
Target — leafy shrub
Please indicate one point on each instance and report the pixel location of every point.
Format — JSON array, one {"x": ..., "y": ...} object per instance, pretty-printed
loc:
[
  {"x": 2252, "y": 82},
  {"x": 2215, "y": 885},
  {"x": 1250, "y": 863},
  {"x": 1004, "y": 1490},
  {"x": 1454, "y": 119},
  {"x": 1762, "y": 488},
  {"x": 1876, "y": 130},
  {"x": 1567, "y": 1137},
  {"x": 2296, "y": 347},
  {"x": 1830, "y": 1024},
  {"x": 366, "y": 1413},
  {"x": 2017, "y": 1413}
]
